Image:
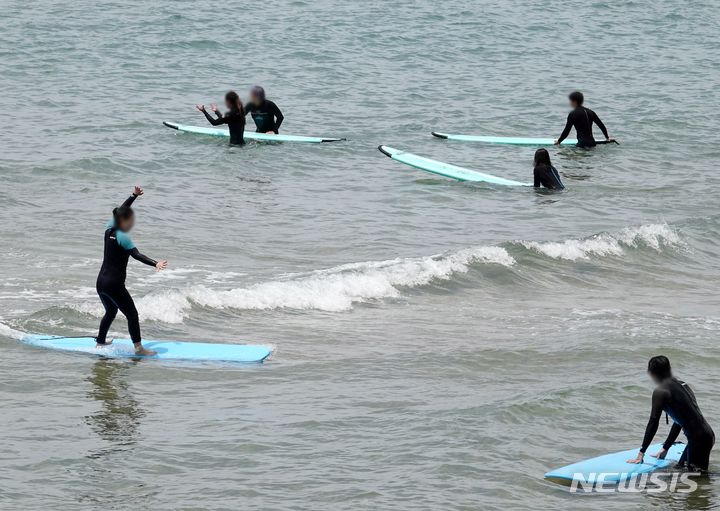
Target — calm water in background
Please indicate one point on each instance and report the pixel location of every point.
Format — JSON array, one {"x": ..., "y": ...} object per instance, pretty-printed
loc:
[{"x": 438, "y": 345}]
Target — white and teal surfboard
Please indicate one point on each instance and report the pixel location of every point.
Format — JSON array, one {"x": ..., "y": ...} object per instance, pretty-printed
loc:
[
  {"x": 166, "y": 350},
  {"x": 504, "y": 140},
  {"x": 446, "y": 169},
  {"x": 250, "y": 135}
]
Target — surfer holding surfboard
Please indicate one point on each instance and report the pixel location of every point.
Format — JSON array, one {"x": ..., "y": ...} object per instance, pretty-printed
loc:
[
  {"x": 265, "y": 113},
  {"x": 111, "y": 279},
  {"x": 582, "y": 119},
  {"x": 675, "y": 398}
]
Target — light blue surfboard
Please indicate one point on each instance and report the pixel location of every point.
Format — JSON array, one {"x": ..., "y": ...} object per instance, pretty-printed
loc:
[
  {"x": 615, "y": 468},
  {"x": 166, "y": 350},
  {"x": 446, "y": 169},
  {"x": 505, "y": 140},
  {"x": 250, "y": 135}
]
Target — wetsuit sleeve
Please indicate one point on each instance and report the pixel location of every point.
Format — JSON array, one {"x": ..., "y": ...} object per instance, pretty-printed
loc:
[
  {"x": 279, "y": 117},
  {"x": 536, "y": 175},
  {"x": 213, "y": 120},
  {"x": 600, "y": 124},
  {"x": 673, "y": 435},
  {"x": 568, "y": 127},
  {"x": 128, "y": 202},
  {"x": 658, "y": 403},
  {"x": 218, "y": 114},
  {"x": 135, "y": 253}
]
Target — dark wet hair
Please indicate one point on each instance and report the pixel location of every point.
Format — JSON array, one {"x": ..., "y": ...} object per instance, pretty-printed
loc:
[
  {"x": 233, "y": 98},
  {"x": 123, "y": 213},
  {"x": 660, "y": 366},
  {"x": 542, "y": 157},
  {"x": 258, "y": 91},
  {"x": 577, "y": 97}
]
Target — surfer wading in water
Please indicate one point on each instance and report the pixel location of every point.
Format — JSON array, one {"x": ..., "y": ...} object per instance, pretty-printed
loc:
[
  {"x": 265, "y": 113},
  {"x": 582, "y": 120},
  {"x": 544, "y": 173},
  {"x": 674, "y": 397},
  {"x": 234, "y": 117},
  {"x": 111, "y": 279}
]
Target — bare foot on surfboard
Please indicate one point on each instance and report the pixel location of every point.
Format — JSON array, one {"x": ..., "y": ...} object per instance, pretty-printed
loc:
[
  {"x": 144, "y": 352},
  {"x": 107, "y": 343}
]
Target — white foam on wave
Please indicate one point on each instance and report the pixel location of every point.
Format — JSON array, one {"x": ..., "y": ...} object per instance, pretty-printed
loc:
[
  {"x": 6, "y": 331},
  {"x": 334, "y": 289},
  {"x": 655, "y": 236}
]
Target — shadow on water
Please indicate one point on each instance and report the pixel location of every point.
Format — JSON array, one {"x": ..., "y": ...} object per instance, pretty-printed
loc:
[
  {"x": 119, "y": 417},
  {"x": 117, "y": 423}
]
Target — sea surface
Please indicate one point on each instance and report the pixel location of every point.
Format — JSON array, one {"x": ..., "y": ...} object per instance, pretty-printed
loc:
[{"x": 438, "y": 345}]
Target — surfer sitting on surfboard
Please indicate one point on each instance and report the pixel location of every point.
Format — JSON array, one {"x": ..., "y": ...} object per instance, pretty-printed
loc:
[
  {"x": 265, "y": 113},
  {"x": 545, "y": 174},
  {"x": 111, "y": 279},
  {"x": 234, "y": 118},
  {"x": 675, "y": 398},
  {"x": 582, "y": 119}
]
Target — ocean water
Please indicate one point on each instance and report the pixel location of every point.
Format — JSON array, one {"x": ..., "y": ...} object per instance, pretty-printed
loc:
[{"x": 438, "y": 345}]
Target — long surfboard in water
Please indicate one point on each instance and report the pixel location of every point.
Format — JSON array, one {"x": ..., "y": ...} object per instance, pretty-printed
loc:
[
  {"x": 446, "y": 169},
  {"x": 166, "y": 350},
  {"x": 249, "y": 135},
  {"x": 614, "y": 468},
  {"x": 505, "y": 140}
]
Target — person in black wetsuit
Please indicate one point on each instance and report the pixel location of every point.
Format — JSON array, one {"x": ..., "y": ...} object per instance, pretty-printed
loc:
[
  {"x": 265, "y": 113},
  {"x": 111, "y": 279},
  {"x": 675, "y": 398},
  {"x": 545, "y": 174},
  {"x": 234, "y": 118},
  {"x": 582, "y": 119}
]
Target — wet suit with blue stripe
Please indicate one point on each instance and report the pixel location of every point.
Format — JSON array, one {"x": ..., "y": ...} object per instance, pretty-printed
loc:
[
  {"x": 675, "y": 398},
  {"x": 547, "y": 176},
  {"x": 111, "y": 279}
]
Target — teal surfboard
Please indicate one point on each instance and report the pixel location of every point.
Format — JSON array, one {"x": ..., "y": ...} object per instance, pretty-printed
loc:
[
  {"x": 505, "y": 140},
  {"x": 615, "y": 468},
  {"x": 250, "y": 135},
  {"x": 446, "y": 169},
  {"x": 166, "y": 350}
]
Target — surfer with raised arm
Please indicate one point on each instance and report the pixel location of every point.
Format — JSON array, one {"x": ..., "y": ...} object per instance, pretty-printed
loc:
[
  {"x": 265, "y": 113},
  {"x": 234, "y": 117},
  {"x": 111, "y": 279},
  {"x": 677, "y": 400},
  {"x": 582, "y": 119}
]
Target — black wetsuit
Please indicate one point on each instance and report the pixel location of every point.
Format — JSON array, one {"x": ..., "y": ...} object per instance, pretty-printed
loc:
[
  {"x": 582, "y": 119},
  {"x": 235, "y": 121},
  {"x": 675, "y": 398},
  {"x": 111, "y": 280},
  {"x": 267, "y": 116},
  {"x": 548, "y": 177}
]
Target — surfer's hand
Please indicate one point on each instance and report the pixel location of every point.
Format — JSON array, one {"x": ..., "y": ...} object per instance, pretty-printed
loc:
[
  {"x": 557, "y": 142},
  {"x": 201, "y": 108},
  {"x": 660, "y": 454},
  {"x": 638, "y": 460},
  {"x": 271, "y": 132},
  {"x": 161, "y": 265},
  {"x": 138, "y": 190},
  {"x": 213, "y": 107}
]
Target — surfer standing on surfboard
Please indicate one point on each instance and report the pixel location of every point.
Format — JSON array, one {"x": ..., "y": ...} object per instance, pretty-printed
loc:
[
  {"x": 234, "y": 118},
  {"x": 265, "y": 113},
  {"x": 582, "y": 119},
  {"x": 111, "y": 279},
  {"x": 675, "y": 398}
]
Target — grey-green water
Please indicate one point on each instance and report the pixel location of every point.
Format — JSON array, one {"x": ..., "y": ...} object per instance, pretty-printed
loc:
[{"x": 438, "y": 345}]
